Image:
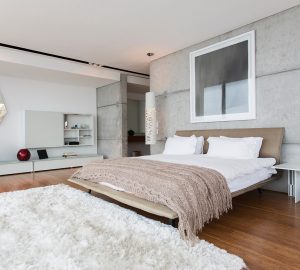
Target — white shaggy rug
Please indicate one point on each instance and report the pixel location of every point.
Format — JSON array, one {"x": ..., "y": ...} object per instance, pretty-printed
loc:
[{"x": 58, "y": 227}]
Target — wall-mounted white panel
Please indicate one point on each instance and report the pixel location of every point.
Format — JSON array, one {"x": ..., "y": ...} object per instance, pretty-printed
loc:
[{"x": 44, "y": 129}]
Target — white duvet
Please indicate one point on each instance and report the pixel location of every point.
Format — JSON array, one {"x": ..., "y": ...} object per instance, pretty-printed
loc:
[
  {"x": 228, "y": 167},
  {"x": 239, "y": 173}
]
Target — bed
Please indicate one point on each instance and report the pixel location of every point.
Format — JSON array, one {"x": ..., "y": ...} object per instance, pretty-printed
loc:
[{"x": 271, "y": 148}]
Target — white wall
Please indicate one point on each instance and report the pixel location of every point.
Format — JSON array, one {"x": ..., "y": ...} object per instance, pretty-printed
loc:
[{"x": 24, "y": 94}]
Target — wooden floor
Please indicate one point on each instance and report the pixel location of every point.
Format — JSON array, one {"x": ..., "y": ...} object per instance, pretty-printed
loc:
[{"x": 262, "y": 229}]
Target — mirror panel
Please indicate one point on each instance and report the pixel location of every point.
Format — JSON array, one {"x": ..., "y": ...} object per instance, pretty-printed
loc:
[{"x": 3, "y": 110}]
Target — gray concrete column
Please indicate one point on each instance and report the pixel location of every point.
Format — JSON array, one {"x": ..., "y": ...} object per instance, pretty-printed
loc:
[{"x": 112, "y": 119}]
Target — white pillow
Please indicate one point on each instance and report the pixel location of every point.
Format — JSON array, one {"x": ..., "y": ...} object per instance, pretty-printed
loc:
[
  {"x": 220, "y": 147},
  {"x": 199, "y": 144},
  {"x": 253, "y": 142},
  {"x": 179, "y": 146}
]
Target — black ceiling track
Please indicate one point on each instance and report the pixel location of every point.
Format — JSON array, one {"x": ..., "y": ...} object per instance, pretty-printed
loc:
[
  {"x": 43, "y": 53},
  {"x": 68, "y": 58},
  {"x": 125, "y": 70}
]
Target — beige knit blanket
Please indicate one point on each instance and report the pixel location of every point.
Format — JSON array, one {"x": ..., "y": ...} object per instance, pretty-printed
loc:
[{"x": 196, "y": 194}]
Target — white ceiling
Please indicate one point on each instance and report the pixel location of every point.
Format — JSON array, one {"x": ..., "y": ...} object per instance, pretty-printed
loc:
[
  {"x": 120, "y": 32},
  {"x": 54, "y": 76}
]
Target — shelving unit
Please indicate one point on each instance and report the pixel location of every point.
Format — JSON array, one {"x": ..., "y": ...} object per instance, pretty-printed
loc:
[
  {"x": 79, "y": 128},
  {"x": 57, "y": 129}
]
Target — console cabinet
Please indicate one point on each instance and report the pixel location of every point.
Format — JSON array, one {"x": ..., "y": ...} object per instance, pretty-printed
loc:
[
  {"x": 15, "y": 167},
  {"x": 60, "y": 163}
]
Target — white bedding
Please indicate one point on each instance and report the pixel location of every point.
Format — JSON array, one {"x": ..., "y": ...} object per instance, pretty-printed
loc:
[
  {"x": 239, "y": 173},
  {"x": 248, "y": 180}
]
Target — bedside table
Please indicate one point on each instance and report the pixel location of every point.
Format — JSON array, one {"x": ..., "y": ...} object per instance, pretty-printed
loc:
[{"x": 293, "y": 170}]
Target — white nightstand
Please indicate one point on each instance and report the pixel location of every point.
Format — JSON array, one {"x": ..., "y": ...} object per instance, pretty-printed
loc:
[{"x": 293, "y": 178}]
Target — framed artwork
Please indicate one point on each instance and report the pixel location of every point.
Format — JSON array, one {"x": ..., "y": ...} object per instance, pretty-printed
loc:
[{"x": 222, "y": 80}]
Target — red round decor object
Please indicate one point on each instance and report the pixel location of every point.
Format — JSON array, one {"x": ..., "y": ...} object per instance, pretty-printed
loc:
[{"x": 23, "y": 155}]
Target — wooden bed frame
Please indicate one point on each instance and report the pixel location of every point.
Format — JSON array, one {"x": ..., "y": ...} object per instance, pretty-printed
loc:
[{"x": 271, "y": 147}]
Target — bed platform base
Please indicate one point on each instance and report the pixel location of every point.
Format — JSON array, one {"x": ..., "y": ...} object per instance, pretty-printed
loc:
[
  {"x": 127, "y": 199},
  {"x": 171, "y": 222},
  {"x": 145, "y": 205}
]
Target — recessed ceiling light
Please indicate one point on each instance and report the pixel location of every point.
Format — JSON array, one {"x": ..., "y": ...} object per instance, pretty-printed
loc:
[{"x": 94, "y": 64}]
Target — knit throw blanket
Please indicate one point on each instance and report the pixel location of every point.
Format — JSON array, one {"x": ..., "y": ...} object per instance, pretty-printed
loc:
[{"x": 196, "y": 194}]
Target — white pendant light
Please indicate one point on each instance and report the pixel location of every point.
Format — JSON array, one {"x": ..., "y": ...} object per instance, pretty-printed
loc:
[{"x": 150, "y": 119}]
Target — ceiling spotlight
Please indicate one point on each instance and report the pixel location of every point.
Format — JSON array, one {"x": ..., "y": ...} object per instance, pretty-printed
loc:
[
  {"x": 150, "y": 54},
  {"x": 94, "y": 64}
]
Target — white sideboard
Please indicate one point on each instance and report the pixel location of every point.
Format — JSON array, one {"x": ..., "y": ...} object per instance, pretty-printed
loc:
[
  {"x": 60, "y": 163},
  {"x": 14, "y": 167}
]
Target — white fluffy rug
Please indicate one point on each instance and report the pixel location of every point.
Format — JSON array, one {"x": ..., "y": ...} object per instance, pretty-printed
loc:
[{"x": 58, "y": 227}]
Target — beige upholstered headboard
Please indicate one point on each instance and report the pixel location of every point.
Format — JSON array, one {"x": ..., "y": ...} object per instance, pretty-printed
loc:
[{"x": 271, "y": 146}]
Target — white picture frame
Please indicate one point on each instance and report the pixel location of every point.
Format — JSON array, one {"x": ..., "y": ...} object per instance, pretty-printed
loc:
[{"x": 251, "y": 114}]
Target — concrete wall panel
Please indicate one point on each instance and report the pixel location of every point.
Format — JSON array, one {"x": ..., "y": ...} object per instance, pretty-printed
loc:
[
  {"x": 277, "y": 84},
  {"x": 110, "y": 122},
  {"x": 109, "y": 95}
]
